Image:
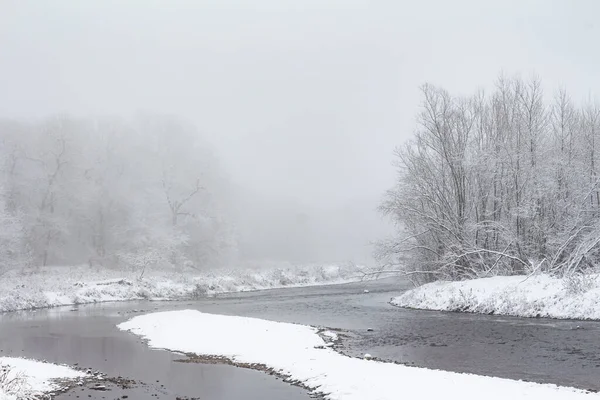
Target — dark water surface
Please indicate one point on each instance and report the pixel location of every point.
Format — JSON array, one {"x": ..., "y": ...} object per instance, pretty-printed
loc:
[
  {"x": 89, "y": 338},
  {"x": 541, "y": 350},
  {"x": 564, "y": 352}
]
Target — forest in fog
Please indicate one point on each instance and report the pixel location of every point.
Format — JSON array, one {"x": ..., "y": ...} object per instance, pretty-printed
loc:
[
  {"x": 497, "y": 183},
  {"x": 111, "y": 192}
]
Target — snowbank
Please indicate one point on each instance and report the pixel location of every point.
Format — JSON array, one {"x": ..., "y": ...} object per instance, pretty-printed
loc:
[
  {"x": 536, "y": 296},
  {"x": 28, "y": 379},
  {"x": 57, "y": 286},
  {"x": 299, "y": 353}
]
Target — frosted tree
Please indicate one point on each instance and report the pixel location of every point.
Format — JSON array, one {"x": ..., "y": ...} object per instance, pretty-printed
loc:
[
  {"x": 496, "y": 184},
  {"x": 13, "y": 239},
  {"x": 111, "y": 192}
]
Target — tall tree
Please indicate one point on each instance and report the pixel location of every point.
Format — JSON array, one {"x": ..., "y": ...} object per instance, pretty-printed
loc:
[{"x": 496, "y": 184}]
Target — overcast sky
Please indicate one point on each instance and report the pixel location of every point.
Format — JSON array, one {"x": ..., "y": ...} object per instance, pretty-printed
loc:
[{"x": 304, "y": 100}]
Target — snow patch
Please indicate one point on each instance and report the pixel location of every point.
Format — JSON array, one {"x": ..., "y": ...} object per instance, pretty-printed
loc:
[
  {"x": 535, "y": 296},
  {"x": 329, "y": 335},
  {"x": 25, "y": 379},
  {"x": 299, "y": 352}
]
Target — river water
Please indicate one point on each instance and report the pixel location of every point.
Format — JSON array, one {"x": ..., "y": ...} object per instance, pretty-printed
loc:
[{"x": 541, "y": 350}]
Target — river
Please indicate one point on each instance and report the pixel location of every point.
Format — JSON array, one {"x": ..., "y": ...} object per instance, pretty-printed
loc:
[{"x": 541, "y": 350}]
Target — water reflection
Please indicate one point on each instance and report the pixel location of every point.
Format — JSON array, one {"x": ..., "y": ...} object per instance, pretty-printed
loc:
[{"x": 89, "y": 338}]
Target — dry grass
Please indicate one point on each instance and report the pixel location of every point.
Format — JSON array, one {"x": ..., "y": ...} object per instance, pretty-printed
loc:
[{"x": 13, "y": 385}]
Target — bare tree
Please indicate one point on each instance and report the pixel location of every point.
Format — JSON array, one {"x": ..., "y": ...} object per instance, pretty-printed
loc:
[
  {"x": 496, "y": 184},
  {"x": 108, "y": 191}
]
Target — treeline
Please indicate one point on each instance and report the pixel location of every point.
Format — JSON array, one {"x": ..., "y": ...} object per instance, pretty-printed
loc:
[
  {"x": 110, "y": 192},
  {"x": 499, "y": 183}
]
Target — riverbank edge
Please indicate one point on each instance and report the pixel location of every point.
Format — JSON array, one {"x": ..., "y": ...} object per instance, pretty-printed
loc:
[
  {"x": 24, "y": 378},
  {"x": 333, "y": 374},
  {"x": 539, "y": 296},
  {"x": 53, "y": 287}
]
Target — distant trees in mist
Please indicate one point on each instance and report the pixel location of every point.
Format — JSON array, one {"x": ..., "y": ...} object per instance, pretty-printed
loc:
[
  {"x": 500, "y": 183},
  {"x": 110, "y": 192}
]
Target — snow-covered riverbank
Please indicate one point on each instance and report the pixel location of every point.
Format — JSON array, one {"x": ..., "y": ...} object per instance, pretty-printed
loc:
[
  {"x": 535, "y": 296},
  {"x": 303, "y": 356},
  {"x": 27, "y": 379},
  {"x": 58, "y": 286}
]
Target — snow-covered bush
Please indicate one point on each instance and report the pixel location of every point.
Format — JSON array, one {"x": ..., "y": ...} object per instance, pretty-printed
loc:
[{"x": 579, "y": 283}]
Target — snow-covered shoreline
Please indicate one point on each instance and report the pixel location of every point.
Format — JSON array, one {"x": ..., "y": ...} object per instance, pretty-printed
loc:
[
  {"x": 61, "y": 286},
  {"x": 298, "y": 353},
  {"x": 28, "y": 379},
  {"x": 521, "y": 296}
]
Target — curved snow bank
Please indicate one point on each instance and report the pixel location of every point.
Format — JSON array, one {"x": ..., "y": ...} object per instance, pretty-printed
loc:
[
  {"x": 301, "y": 354},
  {"x": 27, "y": 379},
  {"x": 536, "y": 296},
  {"x": 59, "y": 286}
]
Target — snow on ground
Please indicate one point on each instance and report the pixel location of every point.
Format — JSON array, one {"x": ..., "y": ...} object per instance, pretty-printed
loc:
[
  {"x": 56, "y": 286},
  {"x": 299, "y": 352},
  {"x": 536, "y": 296},
  {"x": 27, "y": 379}
]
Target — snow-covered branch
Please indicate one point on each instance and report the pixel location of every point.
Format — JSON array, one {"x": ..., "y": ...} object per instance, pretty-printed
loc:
[{"x": 494, "y": 184}]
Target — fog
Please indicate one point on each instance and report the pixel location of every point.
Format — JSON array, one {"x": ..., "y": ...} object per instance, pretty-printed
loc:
[{"x": 302, "y": 102}]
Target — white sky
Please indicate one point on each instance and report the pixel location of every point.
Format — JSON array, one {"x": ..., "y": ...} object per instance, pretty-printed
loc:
[{"x": 304, "y": 100}]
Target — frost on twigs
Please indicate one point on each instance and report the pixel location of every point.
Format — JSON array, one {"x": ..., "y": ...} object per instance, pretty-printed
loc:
[
  {"x": 14, "y": 386},
  {"x": 579, "y": 283},
  {"x": 501, "y": 183}
]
